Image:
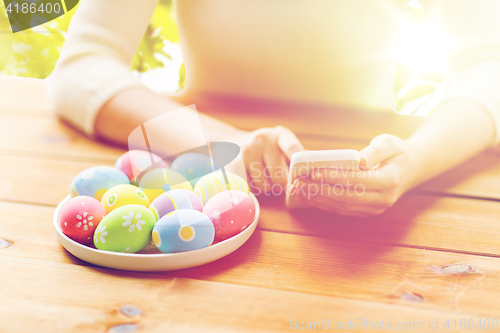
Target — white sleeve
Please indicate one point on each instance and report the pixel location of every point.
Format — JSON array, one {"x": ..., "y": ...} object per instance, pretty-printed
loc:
[
  {"x": 474, "y": 60},
  {"x": 94, "y": 65}
]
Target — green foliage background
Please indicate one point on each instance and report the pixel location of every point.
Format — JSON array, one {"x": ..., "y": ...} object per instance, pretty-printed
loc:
[{"x": 34, "y": 52}]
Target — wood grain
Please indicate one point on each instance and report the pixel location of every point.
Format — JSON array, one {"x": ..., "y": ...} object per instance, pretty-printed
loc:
[
  {"x": 34, "y": 135},
  {"x": 416, "y": 220},
  {"x": 429, "y": 257},
  {"x": 48, "y": 138},
  {"x": 23, "y": 96},
  {"x": 40, "y": 180},
  {"x": 478, "y": 177},
  {"x": 428, "y": 221},
  {"x": 327, "y": 120},
  {"x": 28, "y": 97},
  {"x": 87, "y": 299},
  {"x": 313, "y": 265}
]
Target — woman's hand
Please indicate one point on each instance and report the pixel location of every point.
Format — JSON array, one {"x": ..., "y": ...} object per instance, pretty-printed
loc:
[
  {"x": 387, "y": 171},
  {"x": 266, "y": 153}
]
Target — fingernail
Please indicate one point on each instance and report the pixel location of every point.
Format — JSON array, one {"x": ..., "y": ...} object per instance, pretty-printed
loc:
[
  {"x": 318, "y": 175},
  {"x": 363, "y": 163},
  {"x": 292, "y": 190}
]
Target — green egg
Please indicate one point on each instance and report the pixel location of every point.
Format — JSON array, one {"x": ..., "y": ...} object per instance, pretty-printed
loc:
[{"x": 125, "y": 229}]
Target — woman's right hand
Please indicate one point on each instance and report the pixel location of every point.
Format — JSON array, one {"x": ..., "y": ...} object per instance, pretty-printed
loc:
[{"x": 266, "y": 153}]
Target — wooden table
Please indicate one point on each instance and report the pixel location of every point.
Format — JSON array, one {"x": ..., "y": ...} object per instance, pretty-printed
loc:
[{"x": 431, "y": 259}]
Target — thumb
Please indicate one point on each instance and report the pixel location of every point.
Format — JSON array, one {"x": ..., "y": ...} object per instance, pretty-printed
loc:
[
  {"x": 288, "y": 142},
  {"x": 381, "y": 148}
]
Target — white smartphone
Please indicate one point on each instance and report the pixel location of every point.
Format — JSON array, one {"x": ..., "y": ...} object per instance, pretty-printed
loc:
[{"x": 303, "y": 163}]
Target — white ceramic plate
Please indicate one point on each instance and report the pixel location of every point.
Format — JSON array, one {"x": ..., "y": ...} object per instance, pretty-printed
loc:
[{"x": 154, "y": 262}]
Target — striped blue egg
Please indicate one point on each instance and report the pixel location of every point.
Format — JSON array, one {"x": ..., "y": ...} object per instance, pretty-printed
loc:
[
  {"x": 172, "y": 200},
  {"x": 183, "y": 230}
]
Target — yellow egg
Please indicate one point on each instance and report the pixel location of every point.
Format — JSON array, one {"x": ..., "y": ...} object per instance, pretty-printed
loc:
[
  {"x": 214, "y": 183},
  {"x": 158, "y": 181},
  {"x": 122, "y": 195}
]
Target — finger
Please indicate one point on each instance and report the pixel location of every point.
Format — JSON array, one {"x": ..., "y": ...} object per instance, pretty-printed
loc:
[
  {"x": 276, "y": 167},
  {"x": 331, "y": 209},
  {"x": 345, "y": 209},
  {"x": 381, "y": 148},
  {"x": 288, "y": 142},
  {"x": 339, "y": 195},
  {"x": 341, "y": 198},
  {"x": 373, "y": 180},
  {"x": 259, "y": 183}
]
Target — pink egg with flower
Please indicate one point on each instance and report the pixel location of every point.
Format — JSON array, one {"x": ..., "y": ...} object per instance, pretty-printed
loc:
[
  {"x": 231, "y": 212},
  {"x": 79, "y": 218},
  {"x": 134, "y": 162}
]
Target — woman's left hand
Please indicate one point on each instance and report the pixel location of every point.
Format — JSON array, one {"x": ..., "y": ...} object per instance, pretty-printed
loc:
[{"x": 387, "y": 171}]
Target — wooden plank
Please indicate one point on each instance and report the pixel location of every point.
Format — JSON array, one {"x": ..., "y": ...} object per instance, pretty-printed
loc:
[
  {"x": 48, "y": 172},
  {"x": 23, "y": 96},
  {"x": 417, "y": 220},
  {"x": 479, "y": 177},
  {"x": 304, "y": 118},
  {"x": 44, "y": 136},
  {"x": 49, "y": 138},
  {"x": 430, "y": 221},
  {"x": 83, "y": 299},
  {"x": 27, "y": 96},
  {"x": 324, "y": 266},
  {"x": 39, "y": 180}
]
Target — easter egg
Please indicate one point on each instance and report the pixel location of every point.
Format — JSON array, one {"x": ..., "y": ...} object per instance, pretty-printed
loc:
[
  {"x": 231, "y": 212},
  {"x": 158, "y": 181},
  {"x": 214, "y": 183},
  {"x": 193, "y": 166},
  {"x": 134, "y": 162},
  {"x": 183, "y": 230},
  {"x": 125, "y": 229},
  {"x": 122, "y": 195},
  {"x": 175, "y": 199},
  {"x": 95, "y": 181},
  {"x": 79, "y": 218}
]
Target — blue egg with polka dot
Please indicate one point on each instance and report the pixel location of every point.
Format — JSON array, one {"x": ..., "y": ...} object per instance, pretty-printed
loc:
[
  {"x": 183, "y": 230},
  {"x": 193, "y": 166},
  {"x": 96, "y": 181}
]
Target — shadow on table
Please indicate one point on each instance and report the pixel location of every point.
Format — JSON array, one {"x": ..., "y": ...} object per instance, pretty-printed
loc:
[
  {"x": 353, "y": 243},
  {"x": 314, "y": 245},
  {"x": 290, "y": 248}
]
